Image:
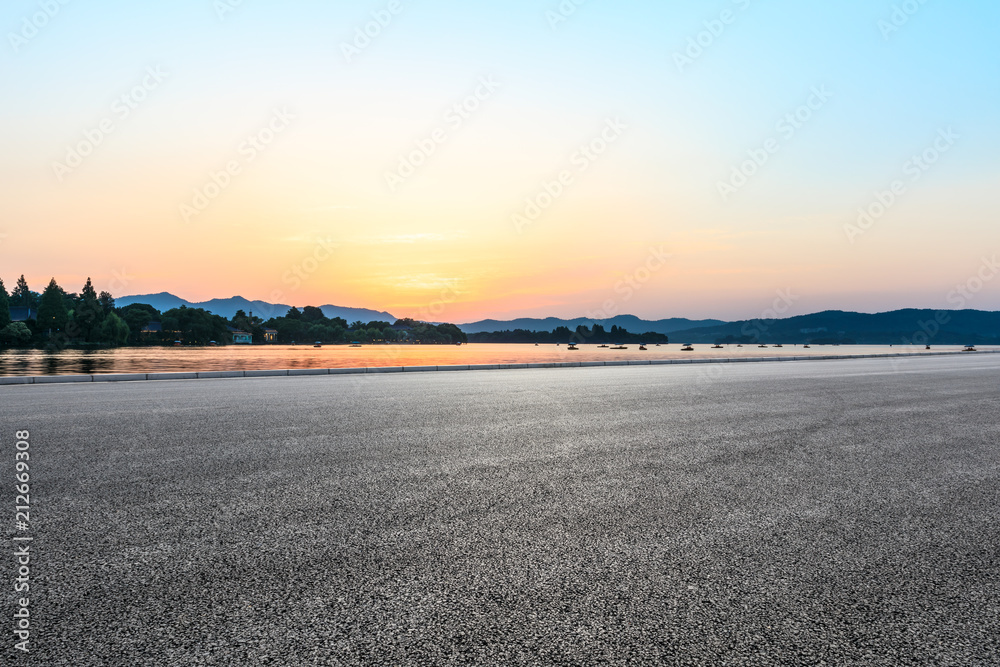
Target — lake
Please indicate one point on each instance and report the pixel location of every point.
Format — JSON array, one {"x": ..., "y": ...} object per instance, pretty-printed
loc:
[{"x": 259, "y": 357}]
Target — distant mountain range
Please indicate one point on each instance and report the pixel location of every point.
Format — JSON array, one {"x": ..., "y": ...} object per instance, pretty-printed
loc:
[
  {"x": 629, "y": 322},
  {"x": 228, "y": 307},
  {"x": 911, "y": 325},
  {"x": 897, "y": 327}
]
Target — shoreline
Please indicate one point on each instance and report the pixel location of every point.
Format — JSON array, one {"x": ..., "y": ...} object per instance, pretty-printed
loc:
[{"x": 299, "y": 372}]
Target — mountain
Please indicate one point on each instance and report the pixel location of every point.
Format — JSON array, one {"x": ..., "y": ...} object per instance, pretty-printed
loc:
[
  {"x": 228, "y": 307},
  {"x": 897, "y": 327},
  {"x": 630, "y": 322}
]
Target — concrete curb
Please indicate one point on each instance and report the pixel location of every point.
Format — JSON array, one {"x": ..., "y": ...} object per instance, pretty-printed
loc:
[{"x": 200, "y": 375}]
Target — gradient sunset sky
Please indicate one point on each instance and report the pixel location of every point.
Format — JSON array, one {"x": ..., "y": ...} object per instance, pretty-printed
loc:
[{"x": 671, "y": 96}]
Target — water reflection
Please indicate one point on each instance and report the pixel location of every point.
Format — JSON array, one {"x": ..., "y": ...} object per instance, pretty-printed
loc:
[{"x": 163, "y": 359}]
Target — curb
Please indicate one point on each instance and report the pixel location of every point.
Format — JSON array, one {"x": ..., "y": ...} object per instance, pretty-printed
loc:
[{"x": 202, "y": 375}]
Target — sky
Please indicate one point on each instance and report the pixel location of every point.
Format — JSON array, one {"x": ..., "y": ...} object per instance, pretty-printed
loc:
[{"x": 455, "y": 161}]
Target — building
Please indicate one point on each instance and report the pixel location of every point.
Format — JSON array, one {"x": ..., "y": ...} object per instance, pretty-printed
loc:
[
  {"x": 22, "y": 314},
  {"x": 270, "y": 335},
  {"x": 240, "y": 337}
]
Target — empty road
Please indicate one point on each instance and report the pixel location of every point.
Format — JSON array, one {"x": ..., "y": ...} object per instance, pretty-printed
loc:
[{"x": 837, "y": 512}]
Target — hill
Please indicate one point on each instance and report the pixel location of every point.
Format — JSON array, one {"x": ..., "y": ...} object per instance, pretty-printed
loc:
[
  {"x": 897, "y": 327},
  {"x": 228, "y": 307}
]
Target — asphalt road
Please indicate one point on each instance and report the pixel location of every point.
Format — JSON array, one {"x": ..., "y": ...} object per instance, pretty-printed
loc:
[{"x": 839, "y": 512}]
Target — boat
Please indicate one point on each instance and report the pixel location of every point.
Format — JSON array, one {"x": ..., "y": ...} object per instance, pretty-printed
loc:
[
  {"x": 927, "y": 347},
  {"x": 355, "y": 343},
  {"x": 177, "y": 343},
  {"x": 619, "y": 347},
  {"x": 602, "y": 345},
  {"x": 687, "y": 348},
  {"x": 716, "y": 347},
  {"x": 536, "y": 344},
  {"x": 806, "y": 346},
  {"x": 642, "y": 347},
  {"x": 317, "y": 344},
  {"x": 778, "y": 345},
  {"x": 739, "y": 345},
  {"x": 212, "y": 343},
  {"x": 762, "y": 345},
  {"x": 969, "y": 348},
  {"x": 572, "y": 346}
]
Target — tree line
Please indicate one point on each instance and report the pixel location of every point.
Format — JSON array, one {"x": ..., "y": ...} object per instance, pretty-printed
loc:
[
  {"x": 89, "y": 319},
  {"x": 583, "y": 334}
]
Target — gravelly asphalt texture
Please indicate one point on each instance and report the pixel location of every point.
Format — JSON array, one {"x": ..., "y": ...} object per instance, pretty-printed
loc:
[{"x": 841, "y": 512}]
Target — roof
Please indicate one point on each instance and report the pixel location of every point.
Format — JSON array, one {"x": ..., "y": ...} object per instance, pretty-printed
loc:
[{"x": 22, "y": 313}]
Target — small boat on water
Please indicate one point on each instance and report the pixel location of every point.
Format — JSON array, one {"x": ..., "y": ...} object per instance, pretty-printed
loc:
[
  {"x": 716, "y": 347},
  {"x": 687, "y": 348},
  {"x": 572, "y": 346},
  {"x": 355, "y": 343},
  {"x": 778, "y": 345},
  {"x": 317, "y": 344},
  {"x": 739, "y": 345},
  {"x": 619, "y": 347},
  {"x": 805, "y": 347},
  {"x": 969, "y": 348},
  {"x": 536, "y": 344},
  {"x": 602, "y": 345},
  {"x": 642, "y": 347},
  {"x": 177, "y": 343}
]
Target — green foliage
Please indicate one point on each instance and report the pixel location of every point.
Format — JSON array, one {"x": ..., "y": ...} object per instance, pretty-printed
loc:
[
  {"x": 52, "y": 315},
  {"x": 22, "y": 296},
  {"x": 4, "y": 306},
  {"x": 89, "y": 314},
  {"x": 114, "y": 330},
  {"x": 15, "y": 334},
  {"x": 195, "y": 326},
  {"x": 137, "y": 316},
  {"x": 582, "y": 335}
]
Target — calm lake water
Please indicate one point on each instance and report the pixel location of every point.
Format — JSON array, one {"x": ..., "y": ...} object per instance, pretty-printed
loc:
[{"x": 259, "y": 357}]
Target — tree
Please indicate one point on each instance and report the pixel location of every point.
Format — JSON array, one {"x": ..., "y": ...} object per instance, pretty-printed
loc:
[
  {"x": 293, "y": 314},
  {"x": 313, "y": 314},
  {"x": 21, "y": 294},
  {"x": 4, "y": 306},
  {"x": 89, "y": 314},
  {"x": 114, "y": 330},
  {"x": 107, "y": 302},
  {"x": 52, "y": 315},
  {"x": 15, "y": 333}
]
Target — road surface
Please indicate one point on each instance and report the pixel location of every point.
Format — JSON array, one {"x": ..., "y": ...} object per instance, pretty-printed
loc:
[{"x": 799, "y": 512}]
